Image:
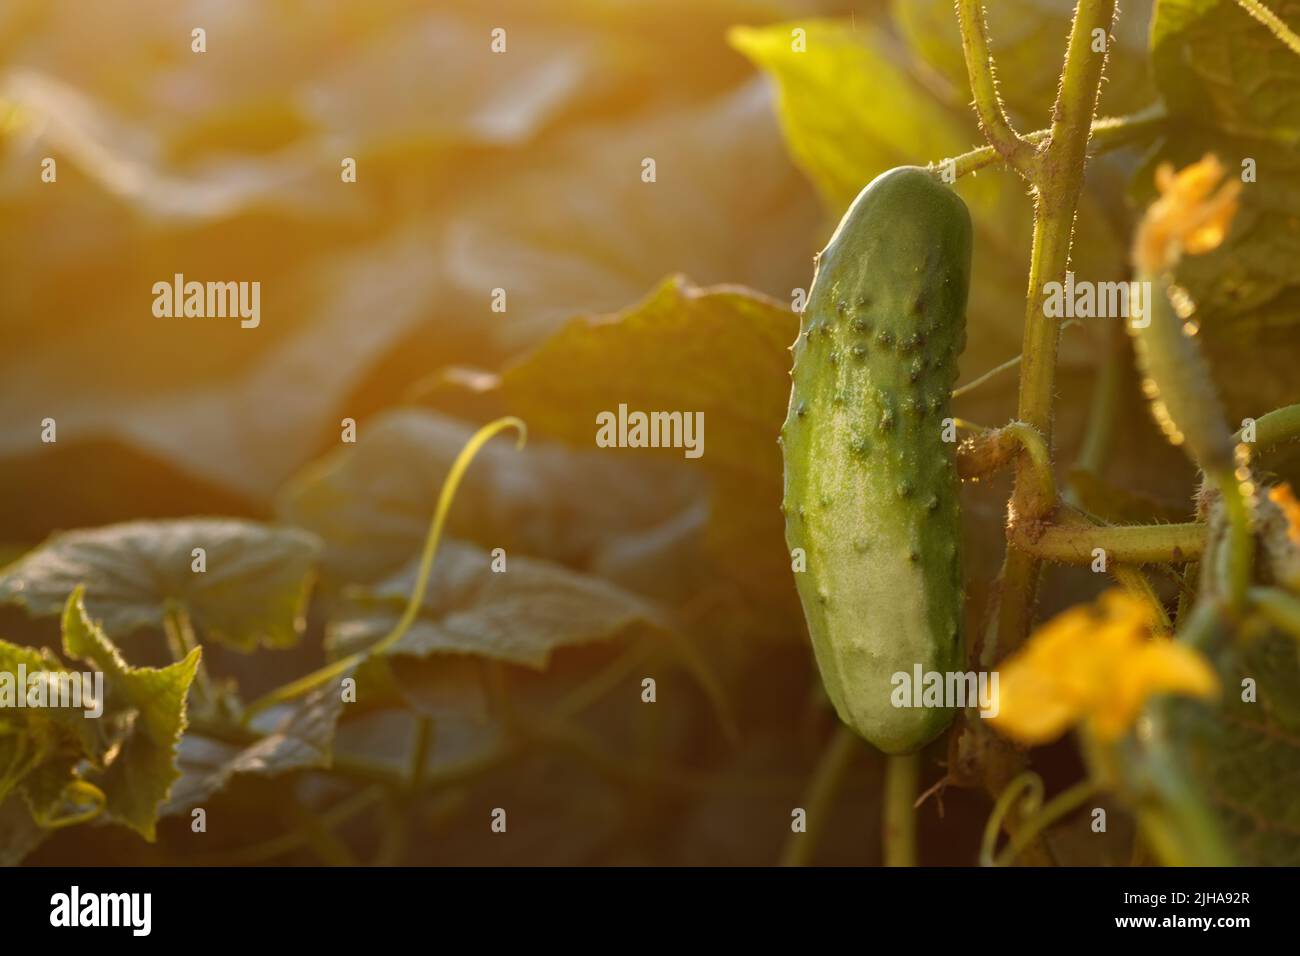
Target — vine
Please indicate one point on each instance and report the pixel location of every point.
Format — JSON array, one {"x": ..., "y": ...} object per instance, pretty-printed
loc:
[{"x": 1042, "y": 528}]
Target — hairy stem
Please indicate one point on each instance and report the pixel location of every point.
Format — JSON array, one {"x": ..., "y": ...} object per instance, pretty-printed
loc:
[
  {"x": 1058, "y": 187},
  {"x": 989, "y": 451},
  {"x": 1239, "y": 559},
  {"x": 1036, "y": 465},
  {"x": 1018, "y": 152},
  {"x": 1127, "y": 544},
  {"x": 1108, "y": 133}
]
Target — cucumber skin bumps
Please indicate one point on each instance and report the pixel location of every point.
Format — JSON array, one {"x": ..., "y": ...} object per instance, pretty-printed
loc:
[{"x": 870, "y": 484}]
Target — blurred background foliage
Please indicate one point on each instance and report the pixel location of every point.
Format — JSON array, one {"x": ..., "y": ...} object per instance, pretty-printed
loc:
[{"x": 522, "y": 171}]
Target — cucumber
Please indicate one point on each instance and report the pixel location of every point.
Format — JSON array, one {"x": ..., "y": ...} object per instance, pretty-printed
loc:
[
  {"x": 870, "y": 485},
  {"x": 1176, "y": 378}
]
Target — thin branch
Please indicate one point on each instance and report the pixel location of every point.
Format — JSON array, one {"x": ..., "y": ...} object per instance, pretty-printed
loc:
[
  {"x": 1129, "y": 544},
  {"x": 1108, "y": 133},
  {"x": 1018, "y": 152}
]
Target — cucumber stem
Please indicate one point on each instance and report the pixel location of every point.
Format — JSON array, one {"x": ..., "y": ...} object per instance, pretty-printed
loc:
[
  {"x": 1058, "y": 182},
  {"x": 1019, "y": 153},
  {"x": 1130, "y": 544},
  {"x": 898, "y": 836},
  {"x": 991, "y": 449},
  {"x": 1108, "y": 133},
  {"x": 1240, "y": 557},
  {"x": 1058, "y": 187},
  {"x": 1043, "y": 485}
]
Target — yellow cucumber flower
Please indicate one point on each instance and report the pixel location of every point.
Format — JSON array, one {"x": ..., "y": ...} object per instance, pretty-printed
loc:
[
  {"x": 1282, "y": 496},
  {"x": 1189, "y": 216},
  {"x": 1095, "y": 664}
]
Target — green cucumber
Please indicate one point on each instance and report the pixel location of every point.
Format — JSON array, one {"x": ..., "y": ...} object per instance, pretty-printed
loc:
[
  {"x": 1177, "y": 379},
  {"x": 870, "y": 484}
]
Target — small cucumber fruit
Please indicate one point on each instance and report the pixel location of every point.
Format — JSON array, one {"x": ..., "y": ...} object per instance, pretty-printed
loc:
[
  {"x": 870, "y": 484},
  {"x": 1177, "y": 379}
]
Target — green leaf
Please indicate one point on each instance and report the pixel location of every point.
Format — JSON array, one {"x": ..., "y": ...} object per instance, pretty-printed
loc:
[
  {"x": 1216, "y": 64},
  {"x": 40, "y": 748},
  {"x": 18, "y": 746},
  {"x": 519, "y": 616},
  {"x": 253, "y": 591},
  {"x": 139, "y": 778},
  {"x": 847, "y": 107},
  {"x": 728, "y": 350},
  {"x": 300, "y": 739},
  {"x": 1244, "y": 758}
]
